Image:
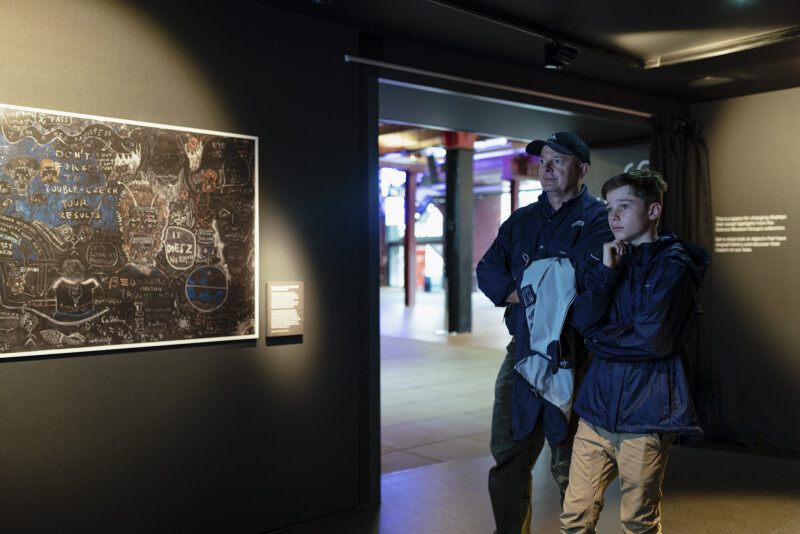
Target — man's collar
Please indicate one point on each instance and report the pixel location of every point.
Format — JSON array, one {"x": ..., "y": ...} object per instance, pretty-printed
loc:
[{"x": 543, "y": 198}]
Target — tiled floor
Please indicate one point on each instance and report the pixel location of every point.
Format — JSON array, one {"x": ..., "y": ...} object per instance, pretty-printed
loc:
[
  {"x": 706, "y": 491},
  {"x": 437, "y": 392},
  {"x": 436, "y": 388}
]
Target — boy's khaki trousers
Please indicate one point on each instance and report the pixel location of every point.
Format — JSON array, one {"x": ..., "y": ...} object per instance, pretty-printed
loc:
[{"x": 598, "y": 457}]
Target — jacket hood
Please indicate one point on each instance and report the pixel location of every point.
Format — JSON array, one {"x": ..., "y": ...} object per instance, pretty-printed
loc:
[{"x": 668, "y": 244}]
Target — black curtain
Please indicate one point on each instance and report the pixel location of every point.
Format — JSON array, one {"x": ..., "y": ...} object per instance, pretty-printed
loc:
[{"x": 678, "y": 151}]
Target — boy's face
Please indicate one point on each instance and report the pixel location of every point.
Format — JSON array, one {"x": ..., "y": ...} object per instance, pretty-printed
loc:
[{"x": 630, "y": 220}]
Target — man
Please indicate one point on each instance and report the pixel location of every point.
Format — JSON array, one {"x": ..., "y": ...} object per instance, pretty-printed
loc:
[{"x": 569, "y": 223}]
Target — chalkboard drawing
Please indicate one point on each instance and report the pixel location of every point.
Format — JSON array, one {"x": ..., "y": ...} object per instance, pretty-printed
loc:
[
  {"x": 194, "y": 152},
  {"x": 16, "y": 283},
  {"x": 28, "y": 323},
  {"x": 207, "y": 288},
  {"x": 234, "y": 219},
  {"x": 21, "y": 170},
  {"x": 164, "y": 162},
  {"x": 180, "y": 248},
  {"x": 56, "y": 337},
  {"x": 142, "y": 217},
  {"x": 125, "y": 165},
  {"x": 120, "y": 234},
  {"x": 180, "y": 214},
  {"x": 74, "y": 293},
  {"x": 74, "y": 235},
  {"x": 50, "y": 172}
]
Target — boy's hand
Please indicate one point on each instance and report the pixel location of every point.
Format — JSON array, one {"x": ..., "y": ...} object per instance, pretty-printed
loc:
[{"x": 612, "y": 253}]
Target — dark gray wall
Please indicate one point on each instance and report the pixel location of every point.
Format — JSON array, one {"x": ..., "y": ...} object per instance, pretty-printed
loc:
[
  {"x": 247, "y": 437},
  {"x": 608, "y": 162},
  {"x": 753, "y": 146},
  {"x": 230, "y": 438}
]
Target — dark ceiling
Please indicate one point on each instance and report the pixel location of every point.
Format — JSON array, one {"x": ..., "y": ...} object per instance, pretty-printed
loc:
[
  {"x": 707, "y": 50},
  {"x": 608, "y": 34}
]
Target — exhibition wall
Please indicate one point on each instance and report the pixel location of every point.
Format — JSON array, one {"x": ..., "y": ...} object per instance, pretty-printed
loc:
[
  {"x": 252, "y": 435},
  {"x": 244, "y": 436},
  {"x": 752, "y": 143}
]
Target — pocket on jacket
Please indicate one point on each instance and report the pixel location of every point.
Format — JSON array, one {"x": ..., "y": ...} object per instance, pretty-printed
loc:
[{"x": 646, "y": 397}]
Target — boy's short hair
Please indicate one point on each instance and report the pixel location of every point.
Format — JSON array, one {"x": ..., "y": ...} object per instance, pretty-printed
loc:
[{"x": 645, "y": 184}]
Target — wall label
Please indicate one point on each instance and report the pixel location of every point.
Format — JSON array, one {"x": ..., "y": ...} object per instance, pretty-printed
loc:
[
  {"x": 285, "y": 311},
  {"x": 747, "y": 233}
]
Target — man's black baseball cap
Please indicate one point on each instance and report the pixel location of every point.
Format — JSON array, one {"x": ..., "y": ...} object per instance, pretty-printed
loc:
[{"x": 563, "y": 143}]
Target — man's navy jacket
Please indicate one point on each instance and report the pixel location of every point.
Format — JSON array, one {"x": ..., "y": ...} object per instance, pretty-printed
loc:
[{"x": 576, "y": 231}]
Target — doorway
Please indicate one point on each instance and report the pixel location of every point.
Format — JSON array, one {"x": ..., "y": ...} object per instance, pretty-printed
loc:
[{"x": 437, "y": 389}]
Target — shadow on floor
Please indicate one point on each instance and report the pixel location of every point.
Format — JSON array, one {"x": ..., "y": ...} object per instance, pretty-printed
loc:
[
  {"x": 436, "y": 393},
  {"x": 705, "y": 492}
]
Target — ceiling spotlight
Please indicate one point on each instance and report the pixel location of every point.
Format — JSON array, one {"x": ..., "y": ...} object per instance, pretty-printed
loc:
[
  {"x": 710, "y": 81},
  {"x": 557, "y": 55}
]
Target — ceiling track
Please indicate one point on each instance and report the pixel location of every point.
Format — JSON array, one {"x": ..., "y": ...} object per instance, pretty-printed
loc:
[
  {"x": 677, "y": 58},
  {"x": 724, "y": 48},
  {"x": 471, "y": 81},
  {"x": 537, "y": 30}
]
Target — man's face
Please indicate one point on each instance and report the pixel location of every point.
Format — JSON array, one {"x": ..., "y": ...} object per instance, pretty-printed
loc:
[
  {"x": 629, "y": 219},
  {"x": 560, "y": 174}
]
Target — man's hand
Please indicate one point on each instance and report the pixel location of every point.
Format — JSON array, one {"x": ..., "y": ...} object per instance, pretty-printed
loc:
[
  {"x": 612, "y": 253},
  {"x": 512, "y": 298}
]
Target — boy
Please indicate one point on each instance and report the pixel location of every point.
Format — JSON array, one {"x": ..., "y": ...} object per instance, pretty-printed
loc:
[{"x": 638, "y": 310}]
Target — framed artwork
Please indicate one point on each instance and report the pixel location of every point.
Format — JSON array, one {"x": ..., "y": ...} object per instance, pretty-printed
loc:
[{"x": 120, "y": 234}]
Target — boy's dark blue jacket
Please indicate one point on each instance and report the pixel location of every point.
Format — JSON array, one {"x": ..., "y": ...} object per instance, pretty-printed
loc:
[
  {"x": 636, "y": 320},
  {"x": 576, "y": 231}
]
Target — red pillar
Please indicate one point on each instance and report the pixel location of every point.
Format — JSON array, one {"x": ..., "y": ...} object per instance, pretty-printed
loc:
[
  {"x": 459, "y": 140},
  {"x": 410, "y": 240}
]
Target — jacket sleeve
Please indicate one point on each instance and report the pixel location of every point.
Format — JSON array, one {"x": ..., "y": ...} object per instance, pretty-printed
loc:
[
  {"x": 661, "y": 323},
  {"x": 494, "y": 269},
  {"x": 591, "y": 307},
  {"x": 588, "y": 251}
]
